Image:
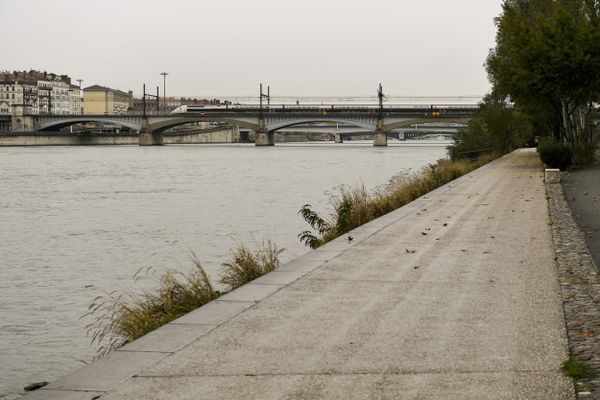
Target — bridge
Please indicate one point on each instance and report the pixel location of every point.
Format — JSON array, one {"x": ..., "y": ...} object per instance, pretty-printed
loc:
[{"x": 264, "y": 121}]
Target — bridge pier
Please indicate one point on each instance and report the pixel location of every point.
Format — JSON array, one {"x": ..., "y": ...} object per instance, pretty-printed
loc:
[
  {"x": 20, "y": 122},
  {"x": 379, "y": 138},
  {"x": 338, "y": 138},
  {"x": 149, "y": 138},
  {"x": 264, "y": 138},
  {"x": 380, "y": 135}
]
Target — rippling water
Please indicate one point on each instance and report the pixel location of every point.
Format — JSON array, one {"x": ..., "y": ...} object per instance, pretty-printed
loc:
[{"x": 71, "y": 217}]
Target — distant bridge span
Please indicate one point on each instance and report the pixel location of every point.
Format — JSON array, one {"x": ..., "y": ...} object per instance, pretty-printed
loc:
[{"x": 264, "y": 122}]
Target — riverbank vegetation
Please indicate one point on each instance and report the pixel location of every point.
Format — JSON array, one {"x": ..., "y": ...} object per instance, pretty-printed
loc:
[
  {"x": 545, "y": 75},
  {"x": 354, "y": 207},
  {"x": 119, "y": 318},
  {"x": 246, "y": 266},
  {"x": 496, "y": 128},
  {"x": 547, "y": 62}
]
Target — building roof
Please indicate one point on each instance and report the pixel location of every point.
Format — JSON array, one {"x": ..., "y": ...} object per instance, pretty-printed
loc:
[
  {"x": 104, "y": 88},
  {"x": 17, "y": 82},
  {"x": 33, "y": 76}
]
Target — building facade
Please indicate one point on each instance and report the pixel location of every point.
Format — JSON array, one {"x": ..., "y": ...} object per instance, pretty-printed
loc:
[
  {"x": 101, "y": 100},
  {"x": 33, "y": 92}
]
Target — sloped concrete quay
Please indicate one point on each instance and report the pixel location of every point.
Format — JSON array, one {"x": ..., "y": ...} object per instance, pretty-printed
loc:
[{"x": 454, "y": 296}]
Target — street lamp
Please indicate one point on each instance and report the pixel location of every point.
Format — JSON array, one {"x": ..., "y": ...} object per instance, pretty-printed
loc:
[{"x": 164, "y": 74}]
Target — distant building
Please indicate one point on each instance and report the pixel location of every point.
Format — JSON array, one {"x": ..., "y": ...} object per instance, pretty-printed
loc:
[
  {"x": 4, "y": 107},
  {"x": 33, "y": 92},
  {"x": 104, "y": 100},
  {"x": 75, "y": 102}
]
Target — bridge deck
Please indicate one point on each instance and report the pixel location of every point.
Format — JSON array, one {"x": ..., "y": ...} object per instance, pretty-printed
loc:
[{"x": 473, "y": 313}]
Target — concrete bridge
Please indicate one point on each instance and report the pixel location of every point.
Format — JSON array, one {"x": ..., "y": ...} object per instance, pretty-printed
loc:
[
  {"x": 263, "y": 121},
  {"x": 341, "y": 133}
]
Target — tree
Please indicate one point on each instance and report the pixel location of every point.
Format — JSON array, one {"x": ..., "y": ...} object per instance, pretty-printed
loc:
[
  {"x": 497, "y": 127},
  {"x": 547, "y": 61}
]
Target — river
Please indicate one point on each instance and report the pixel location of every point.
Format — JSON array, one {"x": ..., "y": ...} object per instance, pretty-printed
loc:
[{"x": 76, "y": 217}]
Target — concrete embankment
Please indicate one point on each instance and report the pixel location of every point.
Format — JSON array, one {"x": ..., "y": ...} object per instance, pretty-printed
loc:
[
  {"x": 454, "y": 296},
  {"x": 229, "y": 135}
]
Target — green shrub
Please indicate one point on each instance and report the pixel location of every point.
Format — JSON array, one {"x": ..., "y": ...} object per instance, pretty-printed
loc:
[
  {"x": 584, "y": 153},
  {"x": 576, "y": 369},
  {"x": 555, "y": 154}
]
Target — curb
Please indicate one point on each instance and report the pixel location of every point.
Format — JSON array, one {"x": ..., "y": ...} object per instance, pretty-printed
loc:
[{"x": 580, "y": 290}]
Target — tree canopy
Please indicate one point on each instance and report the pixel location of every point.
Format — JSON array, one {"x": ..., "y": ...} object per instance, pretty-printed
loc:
[
  {"x": 547, "y": 62},
  {"x": 496, "y": 128}
]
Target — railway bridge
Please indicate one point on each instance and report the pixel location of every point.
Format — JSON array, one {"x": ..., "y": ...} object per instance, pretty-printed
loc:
[{"x": 263, "y": 121}]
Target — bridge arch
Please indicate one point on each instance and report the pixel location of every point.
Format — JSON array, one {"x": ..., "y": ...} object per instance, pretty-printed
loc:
[
  {"x": 63, "y": 123},
  {"x": 163, "y": 125},
  {"x": 413, "y": 121},
  {"x": 277, "y": 125}
]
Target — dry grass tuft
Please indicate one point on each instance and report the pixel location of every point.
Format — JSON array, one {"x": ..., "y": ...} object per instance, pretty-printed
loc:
[
  {"x": 355, "y": 206},
  {"x": 118, "y": 319},
  {"x": 247, "y": 266}
]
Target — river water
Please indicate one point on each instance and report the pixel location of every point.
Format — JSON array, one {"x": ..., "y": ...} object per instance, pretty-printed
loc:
[{"x": 75, "y": 217}]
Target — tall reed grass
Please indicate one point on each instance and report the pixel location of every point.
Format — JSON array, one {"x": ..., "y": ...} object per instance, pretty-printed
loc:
[
  {"x": 354, "y": 207},
  {"x": 120, "y": 318},
  {"x": 247, "y": 266}
]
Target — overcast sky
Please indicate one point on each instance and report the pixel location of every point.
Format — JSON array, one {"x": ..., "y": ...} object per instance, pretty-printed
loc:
[{"x": 227, "y": 47}]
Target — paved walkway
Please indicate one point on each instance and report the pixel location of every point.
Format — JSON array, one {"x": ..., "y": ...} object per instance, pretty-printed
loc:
[{"x": 455, "y": 296}]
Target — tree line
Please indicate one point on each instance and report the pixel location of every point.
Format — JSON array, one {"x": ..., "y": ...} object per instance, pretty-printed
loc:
[{"x": 545, "y": 75}]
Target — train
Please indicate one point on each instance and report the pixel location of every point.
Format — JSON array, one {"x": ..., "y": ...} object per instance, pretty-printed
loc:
[{"x": 201, "y": 109}]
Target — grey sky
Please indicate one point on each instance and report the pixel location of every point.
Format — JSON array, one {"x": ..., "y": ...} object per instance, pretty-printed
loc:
[{"x": 226, "y": 47}]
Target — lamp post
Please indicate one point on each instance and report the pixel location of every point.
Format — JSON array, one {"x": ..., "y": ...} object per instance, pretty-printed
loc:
[
  {"x": 381, "y": 96},
  {"x": 164, "y": 74}
]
